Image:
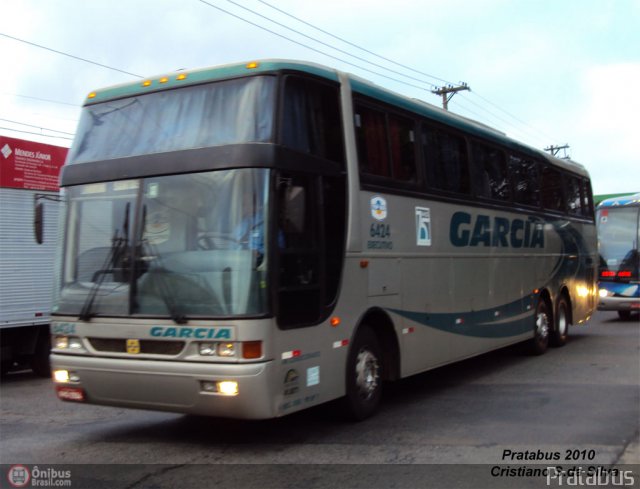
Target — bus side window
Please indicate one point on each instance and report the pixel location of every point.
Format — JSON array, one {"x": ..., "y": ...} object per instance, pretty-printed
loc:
[
  {"x": 525, "y": 180},
  {"x": 490, "y": 173},
  {"x": 551, "y": 189},
  {"x": 587, "y": 199},
  {"x": 299, "y": 249},
  {"x": 403, "y": 150},
  {"x": 445, "y": 156},
  {"x": 373, "y": 147},
  {"x": 574, "y": 197},
  {"x": 311, "y": 118}
]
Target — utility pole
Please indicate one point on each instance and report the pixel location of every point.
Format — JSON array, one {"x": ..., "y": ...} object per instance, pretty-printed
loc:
[
  {"x": 554, "y": 150},
  {"x": 448, "y": 92}
]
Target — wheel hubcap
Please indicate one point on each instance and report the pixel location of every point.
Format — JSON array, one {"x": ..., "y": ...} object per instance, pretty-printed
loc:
[
  {"x": 562, "y": 322},
  {"x": 367, "y": 374},
  {"x": 542, "y": 326}
]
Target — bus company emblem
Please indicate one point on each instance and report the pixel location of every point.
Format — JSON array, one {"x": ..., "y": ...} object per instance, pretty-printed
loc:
[
  {"x": 133, "y": 346},
  {"x": 379, "y": 208}
]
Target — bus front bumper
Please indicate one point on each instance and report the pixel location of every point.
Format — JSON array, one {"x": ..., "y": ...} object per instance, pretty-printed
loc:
[
  {"x": 168, "y": 386},
  {"x": 619, "y": 304},
  {"x": 619, "y": 296}
]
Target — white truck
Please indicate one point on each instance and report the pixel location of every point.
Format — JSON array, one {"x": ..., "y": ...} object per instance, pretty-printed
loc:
[{"x": 29, "y": 173}]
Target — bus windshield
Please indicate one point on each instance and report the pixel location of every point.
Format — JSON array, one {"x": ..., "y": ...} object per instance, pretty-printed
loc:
[
  {"x": 618, "y": 242},
  {"x": 190, "y": 245},
  {"x": 224, "y": 112}
]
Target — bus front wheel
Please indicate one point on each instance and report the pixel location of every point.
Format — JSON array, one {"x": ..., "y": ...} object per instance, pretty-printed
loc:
[
  {"x": 364, "y": 375},
  {"x": 540, "y": 341}
]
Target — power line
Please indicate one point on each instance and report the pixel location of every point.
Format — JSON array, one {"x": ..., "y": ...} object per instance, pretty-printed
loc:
[
  {"x": 36, "y": 133},
  {"x": 513, "y": 116},
  {"x": 398, "y": 64},
  {"x": 69, "y": 55},
  {"x": 41, "y": 99},
  {"x": 307, "y": 46},
  {"x": 355, "y": 45},
  {"x": 322, "y": 42},
  {"x": 37, "y": 127}
]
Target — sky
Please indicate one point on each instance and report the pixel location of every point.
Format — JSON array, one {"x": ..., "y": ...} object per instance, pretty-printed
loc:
[{"x": 545, "y": 72}]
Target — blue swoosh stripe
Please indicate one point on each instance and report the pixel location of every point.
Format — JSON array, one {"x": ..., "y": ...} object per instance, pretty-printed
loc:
[{"x": 501, "y": 322}]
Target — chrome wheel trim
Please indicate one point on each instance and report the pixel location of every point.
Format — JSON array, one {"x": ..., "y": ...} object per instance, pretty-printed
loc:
[
  {"x": 542, "y": 326},
  {"x": 563, "y": 324},
  {"x": 367, "y": 374}
]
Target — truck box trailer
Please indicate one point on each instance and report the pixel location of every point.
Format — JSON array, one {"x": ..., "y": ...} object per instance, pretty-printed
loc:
[{"x": 29, "y": 173}]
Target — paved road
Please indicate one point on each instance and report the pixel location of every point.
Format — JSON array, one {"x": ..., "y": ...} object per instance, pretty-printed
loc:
[{"x": 483, "y": 415}]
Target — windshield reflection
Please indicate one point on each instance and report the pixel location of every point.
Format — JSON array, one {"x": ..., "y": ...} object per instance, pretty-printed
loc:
[{"x": 196, "y": 247}]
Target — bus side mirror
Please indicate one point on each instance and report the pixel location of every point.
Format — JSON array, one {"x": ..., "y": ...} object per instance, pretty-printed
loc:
[
  {"x": 294, "y": 210},
  {"x": 38, "y": 222}
]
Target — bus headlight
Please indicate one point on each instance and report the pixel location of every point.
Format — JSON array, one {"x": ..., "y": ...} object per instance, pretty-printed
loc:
[
  {"x": 207, "y": 349},
  {"x": 215, "y": 349},
  {"x": 67, "y": 343},
  {"x": 226, "y": 349},
  {"x": 211, "y": 349}
]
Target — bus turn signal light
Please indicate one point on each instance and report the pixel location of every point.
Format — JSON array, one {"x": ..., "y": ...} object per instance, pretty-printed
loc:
[{"x": 251, "y": 349}]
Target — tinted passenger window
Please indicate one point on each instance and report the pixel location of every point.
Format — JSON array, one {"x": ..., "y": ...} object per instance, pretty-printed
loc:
[
  {"x": 490, "y": 173},
  {"x": 371, "y": 134},
  {"x": 403, "y": 151},
  {"x": 446, "y": 160},
  {"x": 587, "y": 199},
  {"x": 311, "y": 118},
  {"x": 551, "y": 189},
  {"x": 525, "y": 179},
  {"x": 574, "y": 197},
  {"x": 386, "y": 145}
]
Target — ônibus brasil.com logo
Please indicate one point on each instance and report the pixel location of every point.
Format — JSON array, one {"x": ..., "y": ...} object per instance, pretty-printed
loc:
[{"x": 21, "y": 476}]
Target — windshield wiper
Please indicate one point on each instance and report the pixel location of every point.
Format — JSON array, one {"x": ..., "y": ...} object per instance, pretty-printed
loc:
[
  {"x": 118, "y": 245},
  {"x": 159, "y": 272}
]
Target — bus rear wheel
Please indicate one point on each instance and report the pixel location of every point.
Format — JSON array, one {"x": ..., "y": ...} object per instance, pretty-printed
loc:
[
  {"x": 540, "y": 341},
  {"x": 364, "y": 375},
  {"x": 560, "y": 332}
]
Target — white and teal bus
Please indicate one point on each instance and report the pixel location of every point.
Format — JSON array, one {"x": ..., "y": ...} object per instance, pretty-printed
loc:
[
  {"x": 251, "y": 240},
  {"x": 618, "y": 224}
]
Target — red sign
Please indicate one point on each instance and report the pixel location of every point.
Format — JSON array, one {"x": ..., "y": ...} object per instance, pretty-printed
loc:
[{"x": 30, "y": 165}]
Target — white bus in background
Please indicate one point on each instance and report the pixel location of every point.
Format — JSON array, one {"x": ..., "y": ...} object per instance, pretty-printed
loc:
[
  {"x": 618, "y": 223},
  {"x": 251, "y": 240},
  {"x": 29, "y": 173}
]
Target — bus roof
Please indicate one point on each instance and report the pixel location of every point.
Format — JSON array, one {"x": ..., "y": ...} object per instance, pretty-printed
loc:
[
  {"x": 359, "y": 85},
  {"x": 623, "y": 201}
]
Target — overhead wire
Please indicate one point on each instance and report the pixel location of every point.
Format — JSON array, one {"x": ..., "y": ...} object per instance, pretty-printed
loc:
[
  {"x": 484, "y": 99},
  {"x": 342, "y": 51},
  {"x": 41, "y": 99},
  {"x": 307, "y": 46},
  {"x": 359, "y": 58},
  {"x": 36, "y": 126},
  {"x": 69, "y": 55},
  {"x": 36, "y": 133},
  {"x": 355, "y": 45}
]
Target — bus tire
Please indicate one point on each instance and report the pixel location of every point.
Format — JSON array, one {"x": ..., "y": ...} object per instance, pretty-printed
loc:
[
  {"x": 560, "y": 332},
  {"x": 540, "y": 341},
  {"x": 363, "y": 375},
  {"x": 624, "y": 315}
]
